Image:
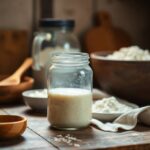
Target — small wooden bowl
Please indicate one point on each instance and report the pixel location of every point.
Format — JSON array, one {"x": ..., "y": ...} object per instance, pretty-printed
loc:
[
  {"x": 12, "y": 126},
  {"x": 12, "y": 94}
]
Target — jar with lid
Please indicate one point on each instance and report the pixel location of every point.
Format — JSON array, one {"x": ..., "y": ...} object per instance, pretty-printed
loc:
[
  {"x": 54, "y": 36},
  {"x": 69, "y": 91}
]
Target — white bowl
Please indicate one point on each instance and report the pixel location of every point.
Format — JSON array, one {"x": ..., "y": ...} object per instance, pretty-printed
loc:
[{"x": 36, "y": 99}]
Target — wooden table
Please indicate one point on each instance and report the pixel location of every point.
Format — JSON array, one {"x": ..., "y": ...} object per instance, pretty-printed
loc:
[{"x": 40, "y": 136}]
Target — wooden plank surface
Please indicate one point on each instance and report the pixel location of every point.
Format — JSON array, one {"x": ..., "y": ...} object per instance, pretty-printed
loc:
[
  {"x": 29, "y": 140},
  {"x": 91, "y": 138}
]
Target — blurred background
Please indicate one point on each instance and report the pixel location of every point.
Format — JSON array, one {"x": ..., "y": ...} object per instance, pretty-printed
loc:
[{"x": 129, "y": 20}]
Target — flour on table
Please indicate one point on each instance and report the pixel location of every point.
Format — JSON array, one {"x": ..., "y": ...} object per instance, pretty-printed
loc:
[{"x": 68, "y": 139}]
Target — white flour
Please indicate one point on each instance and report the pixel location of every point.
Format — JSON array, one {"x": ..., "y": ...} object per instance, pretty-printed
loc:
[
  {"x": 68, "y": 139},
  {"x": 130, "y": 53},
  {"x": 110, "y": 105},
  {"x": 39, "y": 93}
]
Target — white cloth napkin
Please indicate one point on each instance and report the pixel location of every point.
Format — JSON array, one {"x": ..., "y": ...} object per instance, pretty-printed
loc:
[{"x": 126, "y": 121}]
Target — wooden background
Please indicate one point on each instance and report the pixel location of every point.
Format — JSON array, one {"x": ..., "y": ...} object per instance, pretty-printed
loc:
[{"x": 131, "y": 16}]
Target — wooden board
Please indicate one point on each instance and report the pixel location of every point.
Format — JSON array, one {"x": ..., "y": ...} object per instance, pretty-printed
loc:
[
  {"x": 13, "y": 49},
  {"x": 105, "y": 36},
  {"x": 91, "y": 138}
]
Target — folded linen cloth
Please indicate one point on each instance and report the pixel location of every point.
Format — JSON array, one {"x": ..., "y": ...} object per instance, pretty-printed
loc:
[{"x": 126, "y": 121}]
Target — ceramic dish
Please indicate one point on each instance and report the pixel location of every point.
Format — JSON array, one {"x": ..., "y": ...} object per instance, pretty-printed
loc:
[
  {"x": 12, "y": 126},
  {"x": 36, "y": 99},
  {"x": 111, "y": 116}
]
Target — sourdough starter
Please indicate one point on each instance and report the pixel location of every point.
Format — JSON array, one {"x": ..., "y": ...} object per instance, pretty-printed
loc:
[{"x": 69, "y": 107}]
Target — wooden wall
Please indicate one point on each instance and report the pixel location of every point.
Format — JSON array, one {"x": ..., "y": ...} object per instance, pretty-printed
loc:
[
  {"x": 16, "y": 22},
  {"x": 80, "y": 10},
  {"x": 130, "y": 15}
]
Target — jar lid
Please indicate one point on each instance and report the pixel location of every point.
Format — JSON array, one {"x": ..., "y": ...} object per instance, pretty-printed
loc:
[{"x": 49, "y": 22}]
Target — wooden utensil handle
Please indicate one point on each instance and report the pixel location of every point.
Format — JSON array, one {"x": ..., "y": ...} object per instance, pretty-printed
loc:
[{"x": 26, "y": 64}]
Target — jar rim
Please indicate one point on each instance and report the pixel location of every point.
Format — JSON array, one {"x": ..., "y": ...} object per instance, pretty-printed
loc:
[{"x": 70, "y": 58}]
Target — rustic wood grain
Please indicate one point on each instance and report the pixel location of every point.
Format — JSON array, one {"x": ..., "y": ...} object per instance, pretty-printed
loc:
[
  {"x": 13, "y": 49},
  {"x": 91, "y": 138},
  {"x": 29, "y": 140}
]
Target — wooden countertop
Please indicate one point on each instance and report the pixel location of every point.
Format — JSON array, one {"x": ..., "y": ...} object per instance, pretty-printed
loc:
[{"x": 39, "y": 135}]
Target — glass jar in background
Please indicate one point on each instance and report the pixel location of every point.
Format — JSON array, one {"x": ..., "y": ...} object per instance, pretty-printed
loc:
[
  {"x": 53, "y": 36},
  {"x": 69, "y": 91}
]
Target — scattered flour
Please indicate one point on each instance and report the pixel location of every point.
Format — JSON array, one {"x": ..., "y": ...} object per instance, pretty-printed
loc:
[
  {"x": 110, "y": 105},
  {"x": 130, "y": 53},
  {"x": 68, "y": 139}
]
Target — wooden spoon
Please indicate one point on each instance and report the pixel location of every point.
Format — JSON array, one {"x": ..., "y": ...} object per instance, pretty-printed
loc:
[{"x": 15, "y": 78}]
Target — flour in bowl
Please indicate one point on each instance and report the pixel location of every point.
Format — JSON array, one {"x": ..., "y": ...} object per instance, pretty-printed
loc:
[
  {"x": 110, "y": 105},
  {"x": 130, "y": 53},
  {"x": 38, "y": 93}
]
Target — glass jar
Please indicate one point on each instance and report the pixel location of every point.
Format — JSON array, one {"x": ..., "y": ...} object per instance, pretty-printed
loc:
[
  {"x": 53, "y": 36},
  {"x": 70, "y": 91}
]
